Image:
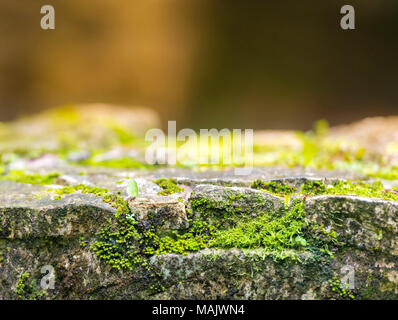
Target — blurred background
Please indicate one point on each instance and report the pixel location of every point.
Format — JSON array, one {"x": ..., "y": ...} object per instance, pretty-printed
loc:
[{"x": 205, "y": 63}]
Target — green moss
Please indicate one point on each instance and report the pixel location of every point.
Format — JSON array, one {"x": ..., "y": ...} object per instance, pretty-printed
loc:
[
  {"x": 1, "y": 257},
  {"x": 341, "y": 289},
  {"x": 313, "y": 188},
  {"x": 195, "y": 239},
  {"x": 20, "y": 289},
  {"x": 273, "y": 187},
  {"x": 227, "y": 210},
  {"x": 370, "y": 190},
  {"x": 169, "y": 186},
  {"x": 115, "y": 201},
  {"x": 272, "y": 231},
  {"x": 117, "y": 243},
  {"x": 82, "y": 242},
  {"x": 279, "y": 233},
  {"x": 122, "y": 163},
  {"x": 26, "y": 288},
  {"x": 22, "y": 177}
]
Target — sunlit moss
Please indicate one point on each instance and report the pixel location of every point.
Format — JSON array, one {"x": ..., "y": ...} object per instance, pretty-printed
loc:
[
  {"x": 341, "y": 289},
  {"x": 35, "y": 178},
  {"x": 27, "y": 289},
  {"x": 371, "y": 190},
  {"x": 273, "y": 187},
  {"x": 312, "y": 188},
  {"x": 122, "y": 163},
  {"x": 169, "y": 186}
]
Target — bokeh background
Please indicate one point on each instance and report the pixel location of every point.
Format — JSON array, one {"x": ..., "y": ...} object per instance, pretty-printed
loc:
[{"x": 205, "y": 63}]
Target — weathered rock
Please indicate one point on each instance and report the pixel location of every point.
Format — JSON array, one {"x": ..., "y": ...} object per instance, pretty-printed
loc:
[
  {"x": 368, "y": 224},
  {"x": 166, "y": 213},
  {"x": 28, "y": 212},
  {"x": 218, "y": 200},
  {"x": 253, "y": 274},
  {"x": 377, "y": 135},
  {"x": 82, "y": 235},
  {"x": 79, "y": 127},
  {"x": 37, "y": 230}
]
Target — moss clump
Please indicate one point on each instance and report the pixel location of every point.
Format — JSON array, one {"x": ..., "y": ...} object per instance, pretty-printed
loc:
[
  {"x": 195, "y": 239},
  {"x": 272, "y": 231},
  {"x": 341, "y": 289},
  {"x": 26, "y": 288},
  {"x": 371, "y": 190},
  {"x": 115, "y": 201},
  {"x": 169, "y": 186},
  {"x": 22, "y": 284},
  {"x": 277, "y": 232},
  {"x": 313, "y": 188},
  {"x": 118, "y": 244},
  {"x": 122, "y": 163},
  {"x": 22, "y": 177},
  {"x": 360, "y": 189},
  {"x": 227, "y": 210},
  {"x": 273, "y": 187}
]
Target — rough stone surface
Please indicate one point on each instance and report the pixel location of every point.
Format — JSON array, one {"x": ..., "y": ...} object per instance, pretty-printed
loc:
[
  {"x": 368, "y": 224},
  {"x": 26, "y": 212},
  {"x": 94, "y": 146},
  {"x": 249, "y": 201},
  {"x": 37, "y": 230},
  {"x": 168, "y": 210}
]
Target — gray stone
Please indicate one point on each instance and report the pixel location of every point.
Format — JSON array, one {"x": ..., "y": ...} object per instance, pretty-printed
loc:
[
  {"x": 166, "y": 213},
  {"x": 369, "y": 224},
  {"x": 38, "y": 230}
]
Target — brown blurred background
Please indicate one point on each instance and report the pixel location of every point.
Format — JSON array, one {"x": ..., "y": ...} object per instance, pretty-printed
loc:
[{"x": 204, "y": 63}]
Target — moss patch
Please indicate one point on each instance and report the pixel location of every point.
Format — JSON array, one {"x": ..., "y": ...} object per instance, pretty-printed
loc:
[
  {"x": 121, "y": 163},
  {"x": 272, "y": 231},
  {"x": 273, "y": 187},
  {"x": 169, "y": 186},
  {"x": 22, "y": 177},
  {"x": 26, "y": 288},
  {"x": 312, "y": 188},
  {"x": 340, "y": 289}
]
